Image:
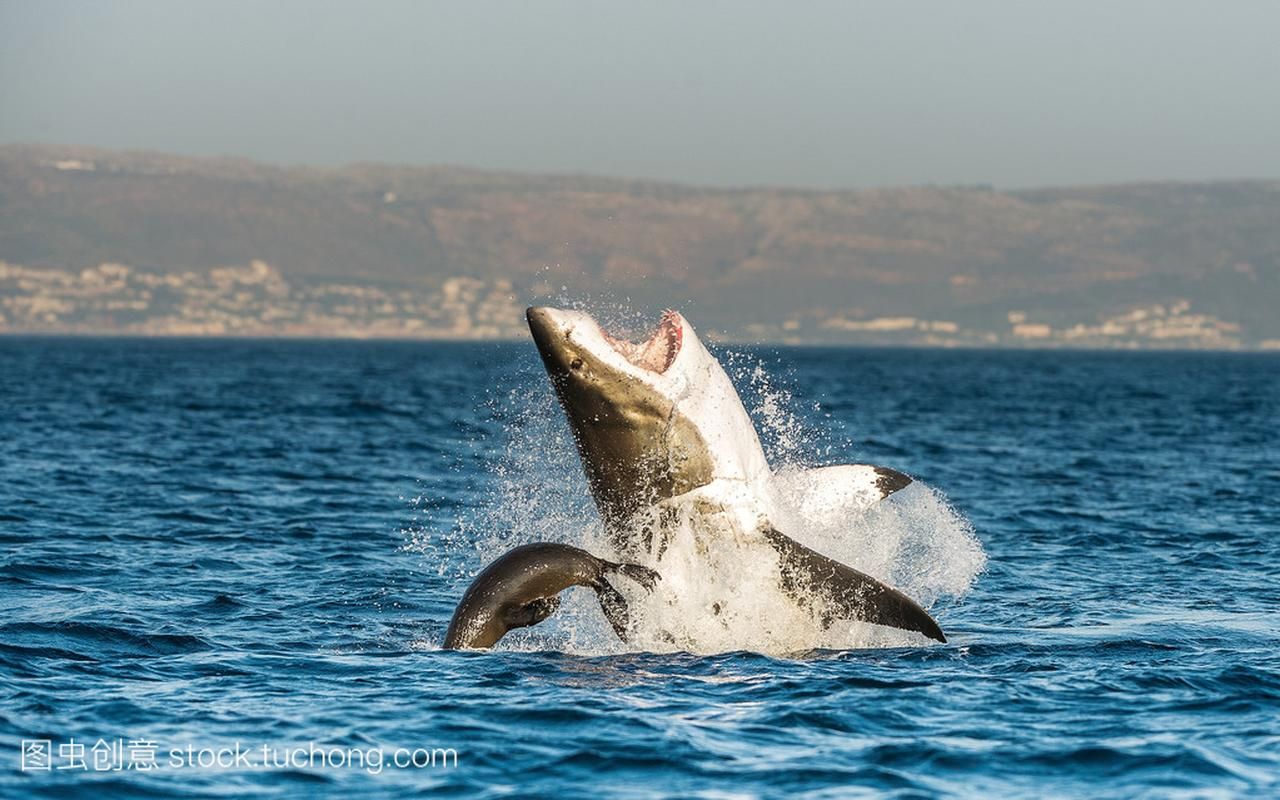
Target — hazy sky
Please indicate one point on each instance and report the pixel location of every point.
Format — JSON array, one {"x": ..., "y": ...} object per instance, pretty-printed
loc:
[{"x": 1013, "y": 93}]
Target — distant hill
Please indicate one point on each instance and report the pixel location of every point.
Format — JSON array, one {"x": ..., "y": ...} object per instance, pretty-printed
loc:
[{"x": 1133, "y": 265}]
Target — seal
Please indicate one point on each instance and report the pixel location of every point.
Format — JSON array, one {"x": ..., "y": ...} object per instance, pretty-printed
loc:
[{"x": 522, "y": 587}]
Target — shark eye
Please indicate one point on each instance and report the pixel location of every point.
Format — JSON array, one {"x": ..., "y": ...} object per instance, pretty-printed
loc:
[{"x": 575, "y": 364}]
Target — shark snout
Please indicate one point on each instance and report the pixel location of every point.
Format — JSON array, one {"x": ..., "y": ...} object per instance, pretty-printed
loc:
[
  {"x": 538, "y": 315},
  {"x": 543, "y": 325},
  {"x": 550, "y": 329}
]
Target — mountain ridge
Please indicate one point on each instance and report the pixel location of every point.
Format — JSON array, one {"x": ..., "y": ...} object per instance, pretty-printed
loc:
[{"x": 759, "y": 263}]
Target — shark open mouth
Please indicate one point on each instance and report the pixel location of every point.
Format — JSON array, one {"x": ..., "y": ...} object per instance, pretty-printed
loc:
[{"x": 657, "y": 352}]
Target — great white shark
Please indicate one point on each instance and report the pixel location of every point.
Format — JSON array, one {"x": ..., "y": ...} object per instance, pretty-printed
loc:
[{"x": 662, "y": 432}]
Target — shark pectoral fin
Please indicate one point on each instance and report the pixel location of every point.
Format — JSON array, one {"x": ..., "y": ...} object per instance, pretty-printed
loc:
[
  {"x": 838, "y": 489},
  {"x": 846, "y": 592},
  {"x": 532, "y": 613}
]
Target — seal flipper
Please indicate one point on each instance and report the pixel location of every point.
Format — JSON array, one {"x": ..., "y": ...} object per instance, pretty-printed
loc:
[
  {"x": 612, "y": 603},
  {"x": 532, "y": 612},
  {"x": 640, "y": 574},
  {"x": 848, "y": 592},
  {"x": 614, "y": 606}
]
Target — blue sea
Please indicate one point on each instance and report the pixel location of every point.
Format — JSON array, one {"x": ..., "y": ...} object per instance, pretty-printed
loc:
[{"x": 251, "y": 549}]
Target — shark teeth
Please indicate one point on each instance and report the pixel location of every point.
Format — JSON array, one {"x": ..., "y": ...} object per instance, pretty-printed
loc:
[{"x": 656, "y": 353}]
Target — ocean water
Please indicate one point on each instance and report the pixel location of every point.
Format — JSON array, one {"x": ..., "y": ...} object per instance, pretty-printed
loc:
[{"x": 221, "y": 544}]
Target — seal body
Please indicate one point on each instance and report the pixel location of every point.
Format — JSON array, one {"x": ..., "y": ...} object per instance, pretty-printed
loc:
[{"x": 522, "y": 588}]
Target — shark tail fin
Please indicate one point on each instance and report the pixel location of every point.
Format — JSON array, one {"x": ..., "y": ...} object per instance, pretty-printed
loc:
[{"x": 845, "y": 592}]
